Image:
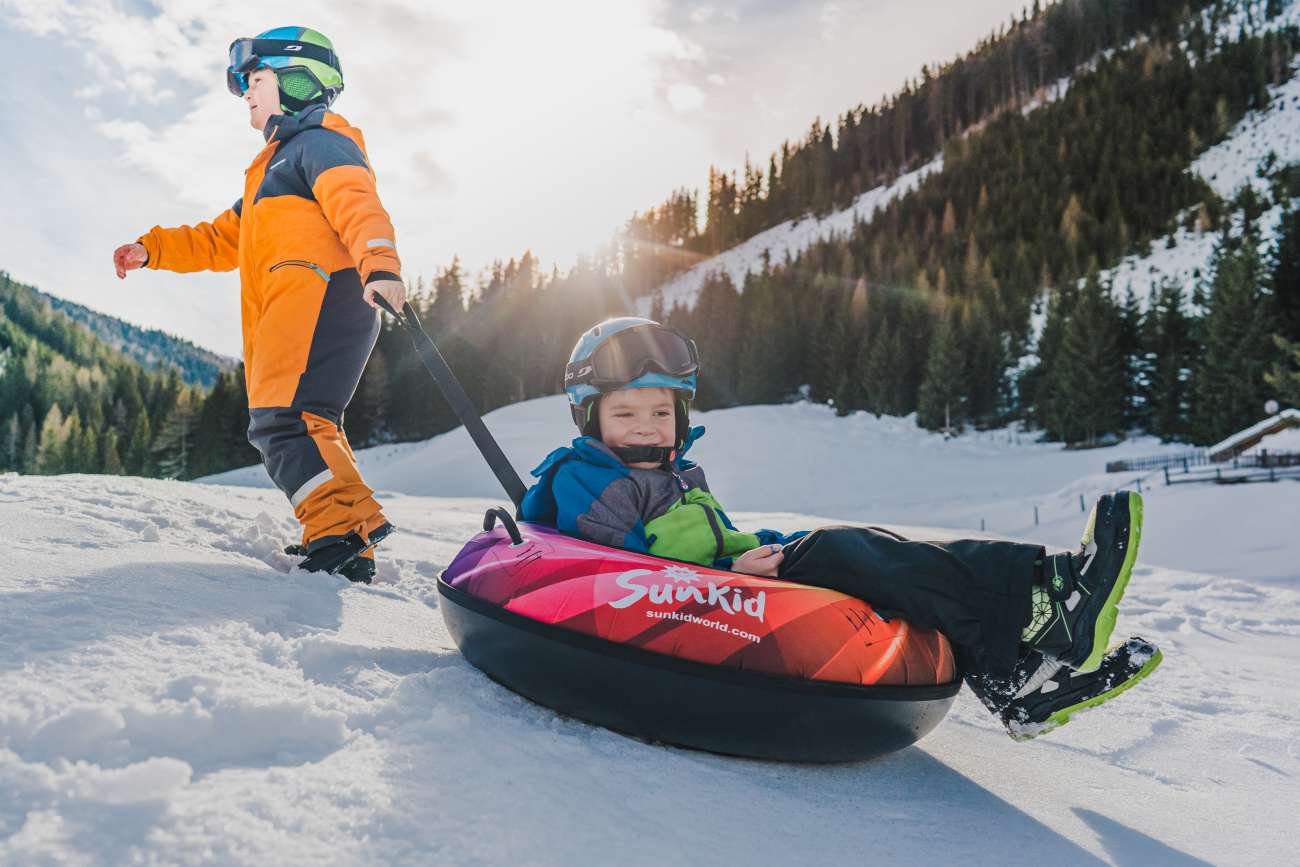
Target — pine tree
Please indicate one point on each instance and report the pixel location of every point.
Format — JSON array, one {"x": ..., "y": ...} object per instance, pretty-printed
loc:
[
  {"x": 139, "y": 447},
  {"x": 11, "y": 449},
  {"x": 1089, "y": 388},
  {"x": 941, "y": 402},
  {"x": 108, "y": 460},
  {"x": 882, "y": 372},
  {"x": 1036, "y": 385},
  {"x": 1285, "y": 375},
  {"x": 1168, "y": 356},
  {"x": 173, "y": 449},
  {"x": 1286, "y": 277},
  {"x": 1130, "y": 348},
  {"x": 51, "y": 452},
  {"x": 1228, "y": 388}
]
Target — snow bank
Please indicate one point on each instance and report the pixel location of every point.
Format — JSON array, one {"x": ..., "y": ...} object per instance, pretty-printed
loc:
[{"x": 180, "y": 696}]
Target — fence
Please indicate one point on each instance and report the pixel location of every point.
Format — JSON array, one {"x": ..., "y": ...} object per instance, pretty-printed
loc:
[
  {"x": 1186, "y": 460},
  {"x": 1263, "y": 466}
]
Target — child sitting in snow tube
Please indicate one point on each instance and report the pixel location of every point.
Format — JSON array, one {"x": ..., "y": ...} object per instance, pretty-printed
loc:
[{"x": 1029, "y": 629}]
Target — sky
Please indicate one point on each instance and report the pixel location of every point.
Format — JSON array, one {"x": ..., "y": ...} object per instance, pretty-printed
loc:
[{"x": 493, "y": 127}]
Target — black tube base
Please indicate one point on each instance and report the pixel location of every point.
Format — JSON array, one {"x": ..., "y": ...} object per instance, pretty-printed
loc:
[{"x": 685, "y": 703}]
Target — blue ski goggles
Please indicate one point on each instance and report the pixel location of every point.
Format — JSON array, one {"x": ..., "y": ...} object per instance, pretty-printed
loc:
[
  {"x": 632, "y": 353},
  {"x": 247, "y": 56}
]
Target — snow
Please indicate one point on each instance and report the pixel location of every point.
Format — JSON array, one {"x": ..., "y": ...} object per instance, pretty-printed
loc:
[
  {"x": 1235, "y": 162},
  {"x": 174, "y": 693},
  {"x": 1049, "y": 94},
  {"x": 784, "y": 241},
  {"x": 1261, "y": 142}
]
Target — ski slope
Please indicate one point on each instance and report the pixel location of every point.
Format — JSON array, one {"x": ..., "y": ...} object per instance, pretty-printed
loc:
[{"x": 175, "y": 694}]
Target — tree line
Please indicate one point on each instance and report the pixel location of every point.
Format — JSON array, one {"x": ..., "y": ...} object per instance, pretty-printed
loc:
[
  {"x": 975, "y": 300},
  {"x": 70, "y": 403}
]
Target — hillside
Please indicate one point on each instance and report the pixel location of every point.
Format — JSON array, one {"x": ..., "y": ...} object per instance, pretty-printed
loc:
[
  {"x": 150, "y": 347},
  {"x": 74, "y": 399},
  {"x": 1260, "y": 145},
  {"x": 175, "y": 694}
]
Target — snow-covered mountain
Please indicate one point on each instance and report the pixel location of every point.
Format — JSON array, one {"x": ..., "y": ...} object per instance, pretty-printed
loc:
[
  {"x": 1262, "y": 143},
  {"x": 1259, "y": 145},
  {"x": 152, "y": 348},
  {"x": 174, "y": 693}
]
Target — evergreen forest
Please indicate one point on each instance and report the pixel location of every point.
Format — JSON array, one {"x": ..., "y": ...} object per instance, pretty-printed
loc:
[{"x": 975, "y": 301}]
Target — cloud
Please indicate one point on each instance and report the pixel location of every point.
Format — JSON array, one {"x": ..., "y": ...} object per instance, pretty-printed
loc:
[{"x": 685, "y": 98}]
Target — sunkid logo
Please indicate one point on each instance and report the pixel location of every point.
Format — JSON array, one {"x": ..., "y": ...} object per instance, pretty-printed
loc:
[{"x": 679, "y": 589}]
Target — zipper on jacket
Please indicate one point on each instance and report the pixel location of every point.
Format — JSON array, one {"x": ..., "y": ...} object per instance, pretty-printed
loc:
[
  {"x": 717, "y": 531},
  {"x": 302, "y": 263}
]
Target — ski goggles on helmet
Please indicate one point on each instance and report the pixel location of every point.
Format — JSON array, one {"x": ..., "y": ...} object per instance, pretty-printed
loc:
[
  {"x": 632, "y": 353},
  {"x": 247, "y": 55}
]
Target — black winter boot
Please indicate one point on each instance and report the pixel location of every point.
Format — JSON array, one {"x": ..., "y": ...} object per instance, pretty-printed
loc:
[
  {"x": 1074, "y": 610},
  {"x": 343, "y": 557},
  {"x": 1043, "y": 694}
]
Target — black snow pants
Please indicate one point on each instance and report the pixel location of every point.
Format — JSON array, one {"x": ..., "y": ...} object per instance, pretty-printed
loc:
[{"x": 977, "y": 593}]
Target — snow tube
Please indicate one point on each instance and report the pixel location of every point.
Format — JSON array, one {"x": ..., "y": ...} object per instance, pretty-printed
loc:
[{"x": 692, "y": 656}]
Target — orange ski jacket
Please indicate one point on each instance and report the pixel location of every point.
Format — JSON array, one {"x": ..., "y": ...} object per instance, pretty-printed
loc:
[{"x": 309, "y": 211}]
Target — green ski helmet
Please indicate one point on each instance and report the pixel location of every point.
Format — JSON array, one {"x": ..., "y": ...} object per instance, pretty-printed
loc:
[{"x": 303, "y": 60}]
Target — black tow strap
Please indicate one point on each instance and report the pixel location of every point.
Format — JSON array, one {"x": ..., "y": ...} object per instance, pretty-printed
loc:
[{"x": 459, "y": 400}]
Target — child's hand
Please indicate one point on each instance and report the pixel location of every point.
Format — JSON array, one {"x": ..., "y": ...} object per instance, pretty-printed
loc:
[
  {"x": 128, "y": 257},
  {"x": 763, "y": 560},
  {"x": 394, "y": 292}
]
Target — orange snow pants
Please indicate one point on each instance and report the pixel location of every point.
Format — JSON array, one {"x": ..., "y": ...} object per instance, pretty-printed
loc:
[{"x": 312, "y": 340}]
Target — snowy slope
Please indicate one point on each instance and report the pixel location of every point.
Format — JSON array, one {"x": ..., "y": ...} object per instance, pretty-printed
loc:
[
  {"x": 1240, "y": 160},
  {"x": 1227, "y": 167},
  {"x": 173, "y": 694},
  {"x": 786, "y": 463},
  {"x": 775, "y": 458},
  {"x": 784, "y": 241}
]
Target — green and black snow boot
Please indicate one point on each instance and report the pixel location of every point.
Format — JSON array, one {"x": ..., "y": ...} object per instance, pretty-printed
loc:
[
  {"x": 1043, "y": 694},
  {"x": 1074, "y": 608}
]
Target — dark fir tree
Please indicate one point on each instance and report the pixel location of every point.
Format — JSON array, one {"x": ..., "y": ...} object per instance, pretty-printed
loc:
[
  {"x": 1089, "y": 387},
  {"x": 940, "y": 405},
  {"x": 1167, "y": 360},
  {"x": 1229, "y": 390},
  {"x": 1284, "y": 378},
  {"x": 1286, "y": 277}
]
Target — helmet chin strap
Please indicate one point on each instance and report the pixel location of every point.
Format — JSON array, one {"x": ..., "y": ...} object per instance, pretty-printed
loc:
[{"x": 644, "y": 454}]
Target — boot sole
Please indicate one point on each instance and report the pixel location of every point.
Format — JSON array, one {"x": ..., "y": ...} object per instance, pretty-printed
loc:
[
  {"x": 1105, "y": 623},
  {"x": 1062, "y": 716}
]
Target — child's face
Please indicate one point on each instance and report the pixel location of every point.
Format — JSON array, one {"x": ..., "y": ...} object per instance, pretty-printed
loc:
[
  {"x": 638, "y": 417},
  {"x": 263, "y": 98}
]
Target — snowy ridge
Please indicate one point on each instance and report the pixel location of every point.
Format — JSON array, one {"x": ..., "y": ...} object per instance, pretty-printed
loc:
[
  {"x": 782, "y": 242},
  {"x": 1249, "y": 16},
  {"x": 1261, "y": 143},
  {"x": 175, "y": 694},
  {"x": 1227, "y": 167}
]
